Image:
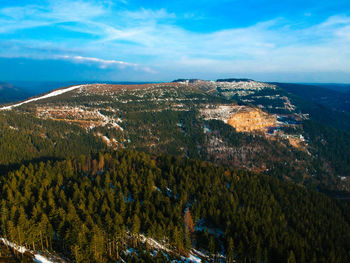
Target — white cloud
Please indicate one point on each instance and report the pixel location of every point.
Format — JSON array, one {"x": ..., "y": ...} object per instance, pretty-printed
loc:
[
  {"x": 65, "y": 10},
  {"x": 31, "y": 16},
  {"x": 335, "y": 20},
  {"x": 103, "y": 63},
  {"x": 153, "y": 38}
]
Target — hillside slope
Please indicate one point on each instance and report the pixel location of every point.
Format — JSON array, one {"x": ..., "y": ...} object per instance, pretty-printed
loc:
[
  {"x": 99, "y": 208},
  {"x": 240, "y": 123}
]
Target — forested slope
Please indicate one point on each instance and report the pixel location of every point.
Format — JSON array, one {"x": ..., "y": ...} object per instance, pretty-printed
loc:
[
  {"x": 24, "y": 138},
  {"x": 93, "y": 208}
]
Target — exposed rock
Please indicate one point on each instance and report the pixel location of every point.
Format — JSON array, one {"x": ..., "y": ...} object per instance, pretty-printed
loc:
[
  {"x": 251, "y": 119},
  {"x": 242, "y": 118}
]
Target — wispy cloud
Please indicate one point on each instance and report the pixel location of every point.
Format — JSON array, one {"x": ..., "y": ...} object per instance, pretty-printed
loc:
[
  {"x": 148, "y": 14},
  {"x": 103, "y": 63},
  {"x": 264, "y": 47},
  {"x": 30, "y": 16}
]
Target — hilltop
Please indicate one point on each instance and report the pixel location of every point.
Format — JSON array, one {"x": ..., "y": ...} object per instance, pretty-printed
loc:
[{"x": 237, "y": 122}]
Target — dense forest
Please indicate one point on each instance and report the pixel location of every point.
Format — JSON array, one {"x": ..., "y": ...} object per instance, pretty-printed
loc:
[
  {"x": 96, "y": 207},
  {"x": 24, "y": 138},
  {"x": 155, "y": 127},
  {"x": 331, "y": 96},
  {"x": 321, "y": 104}
]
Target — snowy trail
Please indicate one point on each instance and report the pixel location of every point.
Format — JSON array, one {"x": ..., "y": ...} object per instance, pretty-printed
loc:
[
  {"x": 37, "y": 257},
  {"x": 51, "y": 94},
  {"x": 192, "y": 257}
]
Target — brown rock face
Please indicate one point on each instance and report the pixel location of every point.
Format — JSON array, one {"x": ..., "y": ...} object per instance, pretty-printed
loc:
[{"x": 249, "y": 120}]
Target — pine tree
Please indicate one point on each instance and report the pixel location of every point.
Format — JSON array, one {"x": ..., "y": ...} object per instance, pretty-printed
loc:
[
  {"x": 135, "y": 228},
  {"x": 230, "y": 254},
  {"x": 211, "y": 246},
  {"x": 78, "y": 254},
  {"x": 189, "y": 225},
  {"x": 101, "y": 162},
  {"x": 291, "y": 258}
]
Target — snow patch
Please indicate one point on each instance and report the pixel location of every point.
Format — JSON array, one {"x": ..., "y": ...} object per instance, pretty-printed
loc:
[
  {"x": 41, "y": 259},
  {"x": 194, "y": 258},
  {"x": 153, "y": 243},
  {"x": 21, "y": 249}
]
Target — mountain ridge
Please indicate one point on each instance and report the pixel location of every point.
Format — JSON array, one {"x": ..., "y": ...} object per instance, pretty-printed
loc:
[{"x": 193, "y": 119}]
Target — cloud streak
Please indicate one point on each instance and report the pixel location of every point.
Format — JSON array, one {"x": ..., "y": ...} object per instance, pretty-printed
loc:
[{"x": 103, "y": 63}]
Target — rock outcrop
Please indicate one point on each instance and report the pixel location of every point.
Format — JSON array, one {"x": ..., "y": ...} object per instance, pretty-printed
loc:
[{"x": 251, "y": 119}]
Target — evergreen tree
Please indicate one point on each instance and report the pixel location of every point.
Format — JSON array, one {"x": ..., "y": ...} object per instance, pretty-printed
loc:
[
  {"x": 291, "y": 258},
  {"x": 230, "y": 254}
]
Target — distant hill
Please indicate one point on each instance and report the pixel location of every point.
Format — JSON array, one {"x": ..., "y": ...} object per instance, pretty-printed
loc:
[
  {"x": 37, "y": 87},
  {"x": 249, "y": 125},
  {"x": 20, "y": 90},
  {"x": 233, "y": 80},
  {"x": 345, "y": 88},
  {"x": 334, "y": 96},
  {"x": 10, "y": 93}
]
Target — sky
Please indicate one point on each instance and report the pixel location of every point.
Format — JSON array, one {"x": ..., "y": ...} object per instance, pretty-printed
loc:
[{"x": 149, "y": 40}]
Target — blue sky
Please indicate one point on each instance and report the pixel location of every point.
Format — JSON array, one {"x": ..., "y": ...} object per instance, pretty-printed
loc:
[{"x": 129, "y": 40}]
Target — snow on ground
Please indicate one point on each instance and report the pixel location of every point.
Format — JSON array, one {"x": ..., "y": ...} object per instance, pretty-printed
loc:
[
  {"x": 107, "y": 140},
  {"x": 107, "y": 120},
  {"x": 199, "y": 253},
  {"x": 37, "y": 257},
  {"x": 51, "y": 94},
  {"x": 153, "y": 243},
  {"x": 41, "y": 259},
  {"x": 169, "y": 192},
  {"x": 115, "y": 125},
  {"x": 129, "y": 251},
  {"x": 194, "y": 258},
  {"x": 20, "y": 249}
]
